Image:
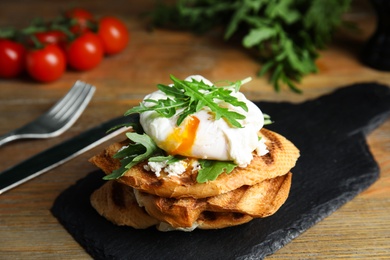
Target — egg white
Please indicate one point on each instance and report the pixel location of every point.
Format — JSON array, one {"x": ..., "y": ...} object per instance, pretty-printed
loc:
[{"x": 213, "y": 139}]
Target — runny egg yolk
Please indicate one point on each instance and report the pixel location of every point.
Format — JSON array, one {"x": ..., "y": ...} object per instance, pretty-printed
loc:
[{"x": 181, "y": 140}]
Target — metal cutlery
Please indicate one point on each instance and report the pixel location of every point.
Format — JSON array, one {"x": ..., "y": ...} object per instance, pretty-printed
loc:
[
  {"x": 58, "y": 119},
  {"x": 61, "y": 153}
]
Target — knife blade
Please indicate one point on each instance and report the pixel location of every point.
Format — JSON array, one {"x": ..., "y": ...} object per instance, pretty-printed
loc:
[{"x": 61, "y": 153}]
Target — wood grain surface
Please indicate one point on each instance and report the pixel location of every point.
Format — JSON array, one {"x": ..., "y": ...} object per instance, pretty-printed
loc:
[{"x": 360, "y": 229}]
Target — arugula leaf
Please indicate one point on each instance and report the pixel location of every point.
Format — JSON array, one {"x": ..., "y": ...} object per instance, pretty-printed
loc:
[
  {"x": 143, "y": 148},
  {"x": 211, "y": 169},
  {"x": 267, "y": 119},
  {"x": 192, "y": 96},
  {"x": 207, "y": 99}
]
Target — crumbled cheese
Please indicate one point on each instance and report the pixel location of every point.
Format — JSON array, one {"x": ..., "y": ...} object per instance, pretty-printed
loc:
[
  {"x": 173, "y": 169},
  {"x": 195, "y": 165},
  {"x": 155, "y": 167},
  {"x": 176, "y": 168}
]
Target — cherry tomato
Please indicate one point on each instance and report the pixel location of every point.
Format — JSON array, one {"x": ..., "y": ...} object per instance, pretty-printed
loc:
[
  {"x": 85, "y": 52},
  {"x": 46, "y": 64},
  {"x": 49, "y": 37},
  {"x": 12, "y": 58},
  {"x": 114, "y": 34},
  {"x": 82, "y": 17}
]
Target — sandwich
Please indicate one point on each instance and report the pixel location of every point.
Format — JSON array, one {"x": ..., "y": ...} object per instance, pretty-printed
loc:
[{"x": 200, "y": 157}]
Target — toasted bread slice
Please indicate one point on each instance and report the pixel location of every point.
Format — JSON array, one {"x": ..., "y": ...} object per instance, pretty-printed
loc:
[
  {"x": 116, "y": 202},
  {"x": 281, "y": 158},
  {"x": 260, "y": 200}
]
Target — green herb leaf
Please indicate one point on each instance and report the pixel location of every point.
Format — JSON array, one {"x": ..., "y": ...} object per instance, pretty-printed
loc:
[
  {"x": 258, "y": 35},
  {"x": 143, "y": 148},
  {"x": 192, "y": 96},
  {"x": 267, "y": 119},
  {"x": 211, "y": 169}
]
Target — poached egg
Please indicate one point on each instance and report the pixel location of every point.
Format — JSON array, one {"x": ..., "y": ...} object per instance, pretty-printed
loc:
[{"x": 201, "y": 136}]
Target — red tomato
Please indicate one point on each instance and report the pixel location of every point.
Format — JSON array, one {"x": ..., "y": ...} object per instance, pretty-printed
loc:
[
  {"x": 49, "y": 37},
  {"x": 46, "y": 64},
  {"x": 85, "y": 52},
  {"x": 12, "y": 58},
  {"x": 114, "y": 34},
  {"x": 82, "y": 17}
]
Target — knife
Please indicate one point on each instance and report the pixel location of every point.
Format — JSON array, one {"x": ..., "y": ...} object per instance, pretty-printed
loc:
[{"x": 61, "y": 153}]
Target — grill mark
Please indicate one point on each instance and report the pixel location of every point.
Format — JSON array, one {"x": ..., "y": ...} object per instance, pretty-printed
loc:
[
  {"x": 157, "y": 183},
  {"x": 208, "y": 215},
  {"x": 188, "y": 177},
  {"x": 268, "y": 158},
  {"x": 187, "y": 181},
  {"x": 117, "y": 194},
  {"x": 273, "y": 144},
  {"x": 276, "y": 142},
  {"x": 167, "y": 202},
  {"x": 232, "y": 201}
]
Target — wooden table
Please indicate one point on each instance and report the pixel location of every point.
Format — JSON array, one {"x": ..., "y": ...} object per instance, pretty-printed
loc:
[{"x": 360, "y": 229}]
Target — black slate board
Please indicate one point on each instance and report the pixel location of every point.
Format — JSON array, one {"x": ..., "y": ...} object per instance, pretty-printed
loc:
[{"x": 335, "y": 165}]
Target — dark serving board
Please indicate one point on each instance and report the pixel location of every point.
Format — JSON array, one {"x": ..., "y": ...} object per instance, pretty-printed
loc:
[{"x": 335, "y": 165}]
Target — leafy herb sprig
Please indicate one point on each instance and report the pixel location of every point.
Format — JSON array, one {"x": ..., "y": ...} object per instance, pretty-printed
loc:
[
  {"x": 143, "y": 148},
  {"x": 192, "y": 96},
  {"x": 286, "y": 35}
]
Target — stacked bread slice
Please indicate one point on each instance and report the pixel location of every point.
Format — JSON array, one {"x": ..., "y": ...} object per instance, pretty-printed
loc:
[{"x": 140, "y": 199}]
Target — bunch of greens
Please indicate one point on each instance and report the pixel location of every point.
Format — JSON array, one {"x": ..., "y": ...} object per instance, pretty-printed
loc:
[{"x": 285, "y": 34}]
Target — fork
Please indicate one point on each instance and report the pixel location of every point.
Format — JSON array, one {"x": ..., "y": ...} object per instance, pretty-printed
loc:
[{"x": 58, "y": 119}]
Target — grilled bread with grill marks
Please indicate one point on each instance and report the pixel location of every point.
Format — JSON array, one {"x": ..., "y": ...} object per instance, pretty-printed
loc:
[
  {"x": 281, "y": 158},
  {"x": 116, "y": 202},
  {"x": 260, "y": 200},
  {"x": 124, "y": 205}
]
